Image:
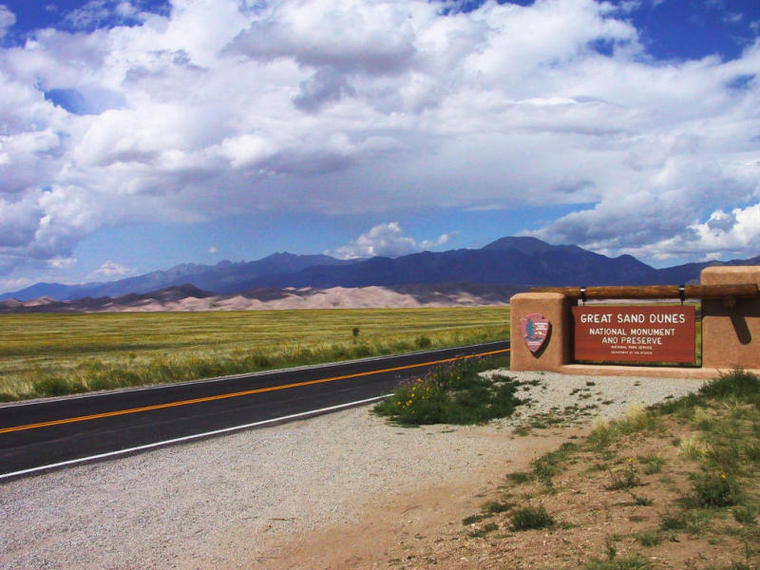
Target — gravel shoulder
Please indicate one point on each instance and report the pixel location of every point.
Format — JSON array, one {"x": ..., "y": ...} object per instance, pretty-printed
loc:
[{"x": 273, "y": 497}]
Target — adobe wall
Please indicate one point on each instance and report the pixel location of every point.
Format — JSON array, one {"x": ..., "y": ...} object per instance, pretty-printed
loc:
[
  {"x": 557, "y": 349},
  {"x": 730, "y": 333}
]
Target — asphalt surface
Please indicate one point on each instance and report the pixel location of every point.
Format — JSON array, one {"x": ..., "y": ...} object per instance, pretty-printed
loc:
[{"x": 53, "y": 433}]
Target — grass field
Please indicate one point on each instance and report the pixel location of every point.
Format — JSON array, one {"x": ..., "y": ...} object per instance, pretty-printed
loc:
[{"x": 53, "y": 354}]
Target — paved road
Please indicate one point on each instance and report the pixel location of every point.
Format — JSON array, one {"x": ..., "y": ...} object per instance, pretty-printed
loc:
[{"x": 52, "y": 433}]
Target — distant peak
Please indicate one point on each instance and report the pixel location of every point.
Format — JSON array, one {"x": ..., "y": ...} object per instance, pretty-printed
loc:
[
  {"x": 188, "y": 289},
  {"x": 526, "y": 244},
  {"x": 174, "y": 292}
]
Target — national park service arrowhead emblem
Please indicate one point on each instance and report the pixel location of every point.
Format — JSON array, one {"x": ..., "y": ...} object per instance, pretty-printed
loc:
[{"x": 535, "y": 331}]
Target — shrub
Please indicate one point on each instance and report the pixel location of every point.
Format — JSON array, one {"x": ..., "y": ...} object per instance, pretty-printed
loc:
[
  {"x": 624, "y": 479},
  {"x": 53, "y": 386},
  {"x": 692, "y": 521},
  {"x": 549, "y": 464},
  {"x": 653, "y": 463},
  {"x": 745, "y": 514},
  {"x": 488, "y": 527},
  {"x": 530, "y": 518},
  {"x": 649, "y": 539},
  {"x": 640, "y": 500},
  {"x": 519, "y": 477},
  {"x": 694, "y": 448},
  {"x": 680, "y": 407},
  {"x": 725, "y": 456},
  {"x": 496, "y": 507},
  {"x": 673, "y": 522},
  {"x": 472, "y": 519},
  {"x": 637, "y": 420},
  {"x": 454, "y": 394},
  {"x": 102, "y": 382},
  {"x": 422, "y": 342},
  {"x": 262, "y": 361},
  {"x": 714, "y": 490},
  {"x": 738, "y": 384},
  {"x": 752, "y": 451}
]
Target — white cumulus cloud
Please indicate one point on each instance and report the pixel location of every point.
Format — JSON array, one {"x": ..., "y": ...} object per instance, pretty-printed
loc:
[
  {"x": 111, "y": 270},
  {"x": 7, "y": 19},
  {"x": 387, "y": 240},
  {"x": 724, "y": 235},
  {"x": 15, "y": 284}
]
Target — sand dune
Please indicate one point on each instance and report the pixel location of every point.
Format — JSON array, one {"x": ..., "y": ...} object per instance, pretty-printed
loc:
[{"x": 188, "y": 298}]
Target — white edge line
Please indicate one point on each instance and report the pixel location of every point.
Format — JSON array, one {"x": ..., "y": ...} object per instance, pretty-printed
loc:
[{"x": 188, "y": 438}]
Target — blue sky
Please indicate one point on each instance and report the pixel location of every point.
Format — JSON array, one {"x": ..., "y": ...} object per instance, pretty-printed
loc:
[{"x": 138, "y": 134}]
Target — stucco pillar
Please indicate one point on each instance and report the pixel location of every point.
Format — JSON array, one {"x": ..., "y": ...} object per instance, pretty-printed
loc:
[
  {"x": 556, "y": 349},
  {"x": 731, "y": 333}
]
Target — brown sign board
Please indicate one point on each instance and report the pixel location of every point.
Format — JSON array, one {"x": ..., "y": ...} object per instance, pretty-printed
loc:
[{"x": 635, "y": 333}]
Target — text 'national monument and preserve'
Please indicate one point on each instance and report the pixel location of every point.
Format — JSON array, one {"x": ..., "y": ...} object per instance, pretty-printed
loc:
[{"x": 635, "y": 333}]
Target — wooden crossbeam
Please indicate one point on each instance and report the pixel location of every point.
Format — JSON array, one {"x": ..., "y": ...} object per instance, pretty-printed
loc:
[{"x": 737, "y": 291}]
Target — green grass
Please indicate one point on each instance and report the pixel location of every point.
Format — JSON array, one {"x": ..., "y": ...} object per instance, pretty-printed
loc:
[
  {"x": 637, "y": 420},
  {"x": 552, "y": 463},
  {"x": 652, "y": 463},
  {"x": 54, "y": 354}
]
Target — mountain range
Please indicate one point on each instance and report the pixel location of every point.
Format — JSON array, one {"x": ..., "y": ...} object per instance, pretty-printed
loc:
[{"x": 519, "y": 262}]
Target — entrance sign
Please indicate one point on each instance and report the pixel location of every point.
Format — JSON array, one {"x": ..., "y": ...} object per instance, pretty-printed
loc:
[
  {"x": 535, "y": 331},
  {"x": 636, "y": 333}
]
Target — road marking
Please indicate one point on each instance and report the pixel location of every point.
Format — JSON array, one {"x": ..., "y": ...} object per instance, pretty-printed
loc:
[
  {"x": 236, "y": 394},
  {"x": 189, "y": 438}
]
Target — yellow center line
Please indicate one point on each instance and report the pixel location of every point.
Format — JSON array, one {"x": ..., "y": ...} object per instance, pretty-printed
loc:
[{"x": 234, "y": 394}]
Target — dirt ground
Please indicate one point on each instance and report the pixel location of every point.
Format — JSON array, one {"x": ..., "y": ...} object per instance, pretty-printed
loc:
[
  {"x": 593, "y": 521},
  {"x": 410, "y": 530}
]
